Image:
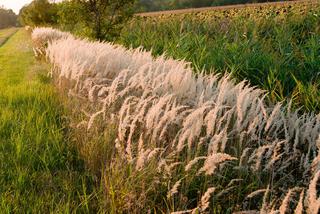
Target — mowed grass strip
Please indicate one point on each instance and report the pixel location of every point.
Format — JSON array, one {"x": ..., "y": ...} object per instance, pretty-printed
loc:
[
  {"x": 39, "y": 170},
  {"x": 5, "y": 34}
]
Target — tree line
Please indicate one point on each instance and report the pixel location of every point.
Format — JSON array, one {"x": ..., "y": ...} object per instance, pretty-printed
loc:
[
  {"x": 101, "y": 19},
  {"x": 7, "y": 18}
]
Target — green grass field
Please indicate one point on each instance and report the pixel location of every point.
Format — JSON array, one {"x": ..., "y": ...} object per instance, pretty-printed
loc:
[
  {"x": 5, "y": 34},
  {"x": 40, "y": 171}
]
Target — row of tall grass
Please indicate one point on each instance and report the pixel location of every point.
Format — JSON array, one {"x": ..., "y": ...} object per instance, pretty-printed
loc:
[
  {"x": 276, "y": 48},
  {"x": 162, "y": 139}
]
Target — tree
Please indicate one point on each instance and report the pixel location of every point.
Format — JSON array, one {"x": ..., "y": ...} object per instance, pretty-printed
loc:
[
  {"x": 7, "y": 18},
  {"x": 105, "y": 18},
  {"x": 69, "y": 17},
  {"x": 38, "y": 13}
]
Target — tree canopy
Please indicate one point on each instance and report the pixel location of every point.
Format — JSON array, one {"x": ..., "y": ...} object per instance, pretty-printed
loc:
[
  {"x": 39, "y": 13},
  {"x": 101, "y": 19},
  {"x": 104, "y": 18},
  {"x": 7, "y": 18}
]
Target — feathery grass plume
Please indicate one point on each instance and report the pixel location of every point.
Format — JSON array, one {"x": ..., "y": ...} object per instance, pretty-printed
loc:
[
  {"x": 193, "y": 162},
  {"x": 255, "y": 193},
  {"x": 143, "y": 154},
  {"x": 277, "y": 154},
  {"x": 312, "y": 196},
  {"x": 205, "y": 199},
  {"x": 315, "y": 166},
  {"x": 311, "y": 202},
  {"x": 247, "y": 212},
  {"x": 218, "y": 142},
  {"x": 300, "y": 207},
  {"x": 174, "y": 189},
  {"x": 285, "y": 205},
  {"x": 192, "y": 126},
  {"x": 92, "y": 118},
  {"x": 258, "y": 155},
  {"x": 265, "y": 207},
  {"x": 234, "y": 182},
  {"x": 244, "y": 156},
  {"x": 182, "y": 212},
  {"x": 42, "y": 36},
  {"x": 213, "y": 161},
  {"x": 28, "y": 28}
]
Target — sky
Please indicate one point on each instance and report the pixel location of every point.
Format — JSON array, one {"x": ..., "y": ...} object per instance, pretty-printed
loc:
[{"x": 15, "y": 5}]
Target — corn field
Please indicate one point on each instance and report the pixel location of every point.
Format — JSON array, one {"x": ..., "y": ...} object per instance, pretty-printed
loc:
[{"x": 194, "y": 143}]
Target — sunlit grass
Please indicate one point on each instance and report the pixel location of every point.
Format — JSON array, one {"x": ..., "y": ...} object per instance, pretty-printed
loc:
[
  {"x": 5, "y": 34},
  {"x": 40, "y": 170}
]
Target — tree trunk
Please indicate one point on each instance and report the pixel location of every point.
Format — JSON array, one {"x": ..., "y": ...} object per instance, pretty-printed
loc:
[{"x": 98, "y": 29}]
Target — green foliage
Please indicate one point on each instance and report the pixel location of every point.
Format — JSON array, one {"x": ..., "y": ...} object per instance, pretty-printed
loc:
[
  {"x": 276, "y": 48},
  {"x": 99, "y": 19},
  {"x": 39, "y": 13},
  {"x": 69, "y": 17},
  {"x": 7, "y": 18}
]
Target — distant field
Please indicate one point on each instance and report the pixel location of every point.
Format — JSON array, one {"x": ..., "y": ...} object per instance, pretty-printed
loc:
[
  {"x": 6, "y": 33},
  {"x": 275, "y": 46},
  {"x": 237, "y": 6}
]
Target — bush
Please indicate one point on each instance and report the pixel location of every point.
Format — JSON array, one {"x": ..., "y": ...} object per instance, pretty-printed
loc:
[{"x": 39, "y": 13}]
